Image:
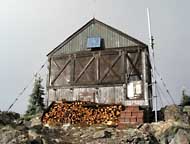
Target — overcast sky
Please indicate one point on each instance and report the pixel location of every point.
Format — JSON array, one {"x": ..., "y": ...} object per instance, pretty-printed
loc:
[{"x": 29, "y": 29}]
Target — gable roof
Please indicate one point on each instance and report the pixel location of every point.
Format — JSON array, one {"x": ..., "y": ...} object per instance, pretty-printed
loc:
[{"x": 95, "y": 21}]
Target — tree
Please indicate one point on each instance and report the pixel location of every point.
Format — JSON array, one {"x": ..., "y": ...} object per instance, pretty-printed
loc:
[
  {"x": 36, "y": 104},
  {"x": 185, "y": 99}
]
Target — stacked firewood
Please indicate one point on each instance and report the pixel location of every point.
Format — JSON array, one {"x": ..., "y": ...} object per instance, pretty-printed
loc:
[{"x": 79, "y": 112}]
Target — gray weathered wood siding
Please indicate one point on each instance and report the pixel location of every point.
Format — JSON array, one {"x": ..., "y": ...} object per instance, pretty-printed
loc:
[
  {"x": 101, "y": 75},
  {"x": 106, "y": 95},
  {"x": 112, "y": 39},
  {"x": 111, "y": 66},
  {"x": 99, "y": 82}
]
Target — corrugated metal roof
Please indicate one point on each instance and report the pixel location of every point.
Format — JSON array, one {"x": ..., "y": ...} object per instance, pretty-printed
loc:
[{"x": 112, "y": 37}]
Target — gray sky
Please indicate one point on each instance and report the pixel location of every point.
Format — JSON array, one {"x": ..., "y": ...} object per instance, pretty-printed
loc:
[{"x": 29, "y": 29}]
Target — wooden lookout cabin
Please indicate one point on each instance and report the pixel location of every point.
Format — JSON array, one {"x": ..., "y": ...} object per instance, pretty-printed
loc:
[{"x": 101, "y": 64}]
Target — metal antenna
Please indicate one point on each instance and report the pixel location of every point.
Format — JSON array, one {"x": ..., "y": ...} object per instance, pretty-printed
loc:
[
  {"x": 151, "y": 43},
  {"x": 94, "y": 8}
]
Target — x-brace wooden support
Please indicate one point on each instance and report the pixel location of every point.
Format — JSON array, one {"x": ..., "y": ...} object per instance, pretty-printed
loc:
[
  {"x": 68, "y": 61},
  {"x": 86, "y": 66},
  {"x": 110, "y": 67}
]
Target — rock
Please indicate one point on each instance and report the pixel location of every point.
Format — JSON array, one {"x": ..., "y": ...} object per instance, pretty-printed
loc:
[
  {"x": 99, "y": 134},
  {"x": 21, "y": 139},
  {"x": 186, "y": 118},
  {"x": 66, "y": 126},
  {"x": 170, "y": 131},
  {"x": 172, "y": 112},
  {"x": 8, "y": 117},
  {"x": 88, "y": 132},
  {"x": 181, "y": 137},
  {"x": 186, "y": 115},
  {"x": 36, "y": 141},
  {"x": 33, "y": 134},
  {"x": 85, "y": 135},
  {"x": 105, "y": 133},
  {"x": 161, "y": 131},
  {"x": 111, "y": 130},
  {"x": 8, "y": 134},
  {"x": 36, "y": 120},
  {"x": 44, "y": 141},
  {"x": 186, "y": 109},
  {"x": 57, "y": 140},
  {"x": 136, "y": 136},
  {"x": 174, "y": 134},
  {"x": 77, "y": 134},
  {"x": 27, "y": 124}
]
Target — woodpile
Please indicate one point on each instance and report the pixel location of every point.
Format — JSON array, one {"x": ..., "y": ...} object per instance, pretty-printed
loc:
[{"x": 79, "y": 112}]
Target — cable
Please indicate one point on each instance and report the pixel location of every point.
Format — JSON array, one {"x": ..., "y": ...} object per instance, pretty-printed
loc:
[
  {"x": 163, "y": 93},
  {"x": 24, "y": 89},
  {"x": 164, "y": 84},
  {"x": 157, "y": 91},
  {"x": 94, "y": 8}
]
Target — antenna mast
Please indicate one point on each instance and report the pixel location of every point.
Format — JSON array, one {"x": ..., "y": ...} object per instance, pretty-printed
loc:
[
  {"x": 151, "y": 43},
  {"x": 94, "y": 8}
]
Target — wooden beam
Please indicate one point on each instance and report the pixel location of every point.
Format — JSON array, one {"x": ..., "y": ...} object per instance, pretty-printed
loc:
[
  {"x": 56, "y": 64},
  {"x": 98, "y": 67},
  {"x": 136, "y": 60},
  {"x": 110, "y": 67},
  {"x": 68, "y": 61},
  {"x": 73, "y": 68},
  {"x": 123, "y": 65},
  {"x": 87, "y": 86},
  {"x": 86, "y": 66},
  {"x": 129, "y": 73},
  {"x": 134, "y": 66},
  {"x": 131, "y": 49},
  {"x": 49, "y": 69},
  {"x": 84, "y": 71}
]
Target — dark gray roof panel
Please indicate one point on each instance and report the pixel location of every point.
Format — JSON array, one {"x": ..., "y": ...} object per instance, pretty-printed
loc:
[{"x": 113, "y": 38}]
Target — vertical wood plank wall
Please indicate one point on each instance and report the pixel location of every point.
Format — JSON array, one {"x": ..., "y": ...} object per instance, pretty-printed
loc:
[{"x": 105, "y": 91}]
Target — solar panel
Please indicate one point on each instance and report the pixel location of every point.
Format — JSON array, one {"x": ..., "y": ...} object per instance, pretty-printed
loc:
[{"x": 94, "y": 42}]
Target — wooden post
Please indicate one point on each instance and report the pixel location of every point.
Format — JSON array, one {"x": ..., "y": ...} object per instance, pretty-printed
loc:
[
  {"x": 55, "y": 94},
  {"x": 134, "y": 65},
  {"x": 98, "y": 66},
  {"x": 49, "y": 69},
  {"x": 123, "y": 66},
  {"x": 73, "y": 69},
  {"x": 71, "y": 91}
]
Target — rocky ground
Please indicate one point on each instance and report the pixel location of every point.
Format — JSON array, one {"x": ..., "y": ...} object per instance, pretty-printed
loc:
[{"x": 17, "y": 130}]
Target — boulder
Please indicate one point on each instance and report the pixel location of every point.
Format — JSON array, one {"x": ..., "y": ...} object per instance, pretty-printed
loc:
[
  {"x": 181, "y": 137},
  {"x": 8, "y": 117},
  {"x": 66, "y": 126},
  {"x": 173, "y": 112},
  {"x": 9, "y": 135},
  {"x": 36, "y": 120},
  {"x": 135, "y": 136},
  {"x": 32, "y": 133},
  {"x": 177, "y": 113},
  {"x": 99, "y": 134},
  {"x": 186, "y": 109},
  {"x": 105, "y": 133}
]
